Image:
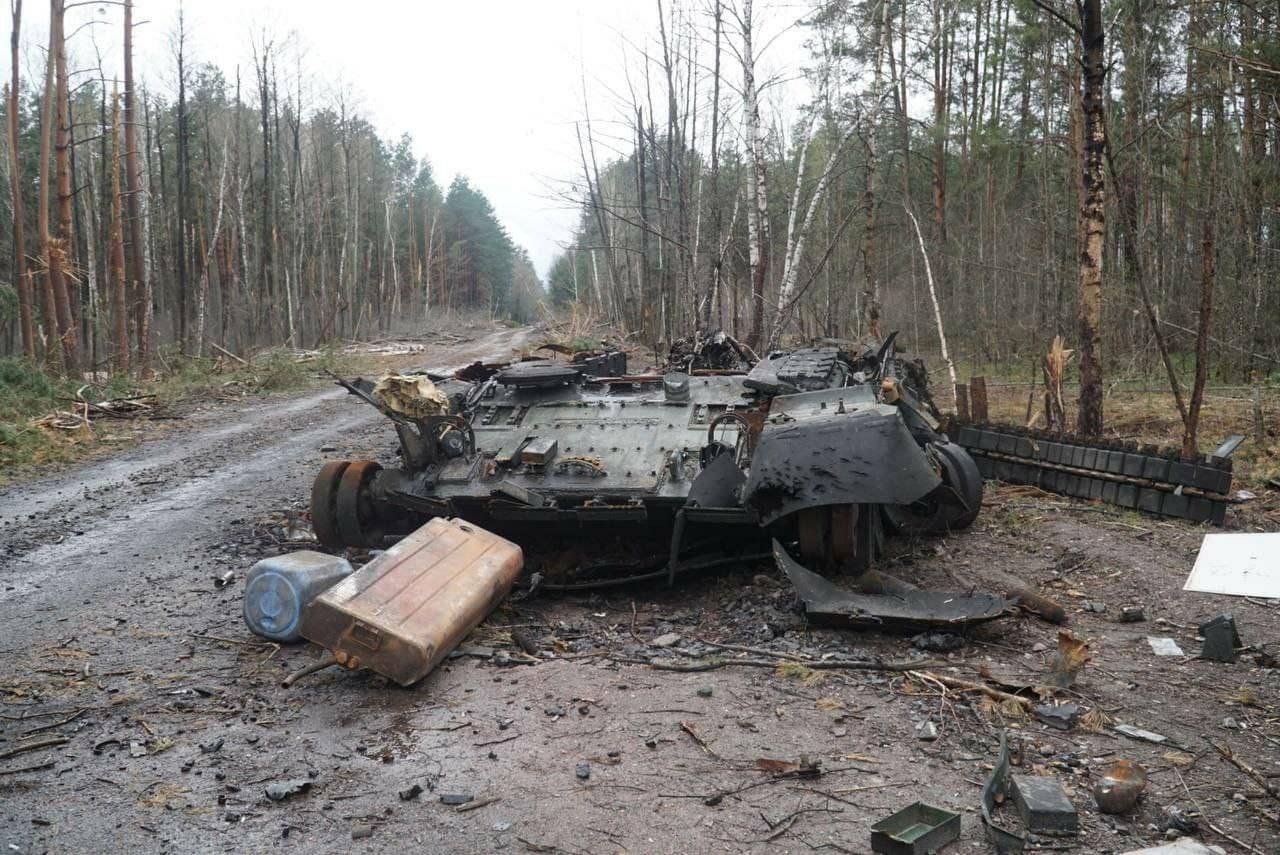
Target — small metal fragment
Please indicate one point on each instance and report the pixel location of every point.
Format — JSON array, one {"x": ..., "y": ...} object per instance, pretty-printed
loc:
[
  {"x": 926, "y": 731},
  {"x": 1059, "y": 716},
  {"x": 1220, "y": 639},
  {"x": 996, "y": 788},
  {"x": 1132, "y": 614},
  {"x": 281, "y": 790},
  {"x": 1139, "y": 733},
  {"x": 1043, "y": 805}
]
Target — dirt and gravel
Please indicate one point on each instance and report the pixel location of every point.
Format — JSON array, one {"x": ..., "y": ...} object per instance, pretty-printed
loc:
[{"x": 138, "y": 712}]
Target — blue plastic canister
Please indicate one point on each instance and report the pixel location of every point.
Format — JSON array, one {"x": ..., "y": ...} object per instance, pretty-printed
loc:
[{"x": 277, "y": 589}]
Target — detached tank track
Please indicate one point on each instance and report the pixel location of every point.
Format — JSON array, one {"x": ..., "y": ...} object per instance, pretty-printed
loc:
[{"x": 1145, "y": 478}]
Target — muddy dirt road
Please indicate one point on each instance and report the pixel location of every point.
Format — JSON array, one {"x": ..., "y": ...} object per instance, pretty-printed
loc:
[{"x": 139, "y": 714}]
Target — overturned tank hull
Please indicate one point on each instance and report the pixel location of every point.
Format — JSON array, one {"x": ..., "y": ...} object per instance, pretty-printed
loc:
[{"x": 818, "y": 447}]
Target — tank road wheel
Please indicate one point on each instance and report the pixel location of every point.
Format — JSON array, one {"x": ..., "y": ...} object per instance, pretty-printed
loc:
[
  {"x": 953, "y": 506},
  {"x": 356, "y": 513},
  {"x": 324, "y": 503}
]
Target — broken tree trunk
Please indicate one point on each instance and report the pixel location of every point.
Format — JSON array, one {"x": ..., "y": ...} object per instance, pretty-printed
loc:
[{"x": 1055, "y": 364}]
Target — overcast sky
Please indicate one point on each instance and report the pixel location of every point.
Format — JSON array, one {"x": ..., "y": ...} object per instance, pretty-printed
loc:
[{"x": 490, "y": 89}]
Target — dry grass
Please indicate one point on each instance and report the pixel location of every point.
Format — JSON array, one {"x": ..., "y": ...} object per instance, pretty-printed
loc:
[
  {"x": 28, "y": 394},
  {"x": 1152, "y": 418},
  {"x": 807, "y": 676}
]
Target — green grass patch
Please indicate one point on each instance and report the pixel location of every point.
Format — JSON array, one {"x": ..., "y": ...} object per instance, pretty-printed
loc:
[
  {"x": 270, "y": 371},
  {"x": 28, "y": 393}
]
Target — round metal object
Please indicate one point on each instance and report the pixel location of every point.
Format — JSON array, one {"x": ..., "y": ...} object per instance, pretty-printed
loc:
[
  {"x": 356, "y": 514},
  {"x": 675, "y": 386},
  {"x": 324, "y": 498},
  {"x": 952, "y": 506}
]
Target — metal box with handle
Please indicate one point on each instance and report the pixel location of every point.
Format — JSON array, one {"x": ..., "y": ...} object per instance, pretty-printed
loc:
[{"x": 404, "y": 611}]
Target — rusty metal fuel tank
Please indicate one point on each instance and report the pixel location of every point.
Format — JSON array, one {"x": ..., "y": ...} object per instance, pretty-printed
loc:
[{"x": 404, "y": 611}]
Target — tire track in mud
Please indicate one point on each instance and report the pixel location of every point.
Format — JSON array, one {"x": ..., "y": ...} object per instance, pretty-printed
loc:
[{"x": 105, "y": 518}]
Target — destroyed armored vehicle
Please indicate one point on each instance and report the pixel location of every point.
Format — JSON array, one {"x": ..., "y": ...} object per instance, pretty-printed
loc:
[{"x": 819, "y": 447}]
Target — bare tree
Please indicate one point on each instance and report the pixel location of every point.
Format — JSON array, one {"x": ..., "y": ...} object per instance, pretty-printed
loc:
[
  {"x": 184, "y": 180},
  {"x": 202, "y": 299},
  {"x": 1092, "y": 200},
  {"x": 115, "y": 242},
  {"x": 15, "y": 186},
  {"x": 798, "y": 230},
  {"x": 1092, "y": 218},
  {"x": 758, "y": 188},
  {"x": 135, "y": 204},
  {"x": 51, "y": 259},
  {"x": 59, "y": 249}
]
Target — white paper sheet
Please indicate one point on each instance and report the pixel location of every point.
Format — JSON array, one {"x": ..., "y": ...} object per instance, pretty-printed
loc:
[{"x": 1242, "y": 564}]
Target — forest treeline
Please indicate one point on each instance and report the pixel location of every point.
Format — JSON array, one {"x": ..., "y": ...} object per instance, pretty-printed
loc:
[
  {"x": 228, "y": 213},
  {"x": 1108, "y": 171}
]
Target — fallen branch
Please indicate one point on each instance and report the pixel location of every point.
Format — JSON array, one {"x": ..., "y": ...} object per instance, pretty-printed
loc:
[
  {"x": 478, "y": 803},
  {"x": 866, "y": 787},
  {"x": 697, "y": 737},
  {"x": 759, "y": 651},
  {"x": 223, "y": 350},
  {"x": 1227, "y": 754},
  {"x": 713, "y": 663},
  {"x": 33, "y": 768},
  {"x": 957, "y": 683},
  {"x": 318, "y": 665},
  {"x": 66, "y": 720},
  {"x": 225, "y": 640},
  {"x": 1236, "y": 840},
  {"x": 781, "y": 827},
  {"x": 33, "y": 746}
]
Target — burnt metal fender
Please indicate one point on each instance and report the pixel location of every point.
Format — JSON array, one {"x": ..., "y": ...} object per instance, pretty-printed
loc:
[
  {"x": 866, "y": 457},
  {"x": 826, "y": 602}
]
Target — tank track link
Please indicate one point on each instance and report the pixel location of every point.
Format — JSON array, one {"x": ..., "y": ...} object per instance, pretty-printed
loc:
[{"x": 1142, "y": 477}]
